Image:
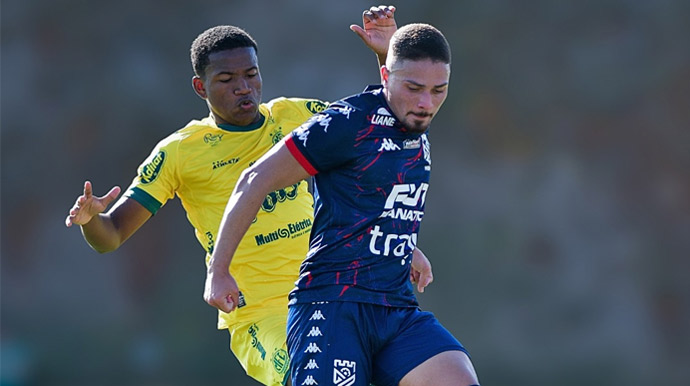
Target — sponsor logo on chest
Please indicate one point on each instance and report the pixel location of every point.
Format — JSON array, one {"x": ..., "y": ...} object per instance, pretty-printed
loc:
[{"x": 383, "y": 118}]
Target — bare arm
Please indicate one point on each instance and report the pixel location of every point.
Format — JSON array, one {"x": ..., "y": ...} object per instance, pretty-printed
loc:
[
  {"x": 378, "y": 28},
  {"x": 105, "y": 232},
  {"x": 275, "y": 170}
]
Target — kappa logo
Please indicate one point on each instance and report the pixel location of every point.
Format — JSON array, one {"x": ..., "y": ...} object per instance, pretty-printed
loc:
[
  {"x": 345, "y": 110},
  {"x": 383, "y": 118},
  {"x": 309, "y": 381},
  {"x": 343, "y": 372},
  {"x": 312, "y": 348},
  {"x": 311, "y": 365},
  {"x": 315, "y": 331},
  {"x": 317, "y": 315},
  {"x": 388, "y": 145},
  {"x": 323, "y": 120},
  {"x": 302, "y": 134}
]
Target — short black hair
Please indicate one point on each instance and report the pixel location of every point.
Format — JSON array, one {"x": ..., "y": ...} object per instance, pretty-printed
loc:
[
  {"x": 420, "y": 41},
  {"x": 214, "y": 39}
]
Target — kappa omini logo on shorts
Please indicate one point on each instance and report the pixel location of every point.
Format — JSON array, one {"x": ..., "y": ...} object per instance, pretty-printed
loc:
[
  {"x": 309, "y": 381},
  {"x": 311, "y": 365},
  {"x": 315, "y": 331},
  {"x": 312, "y": 348},
  {"x": 317, "y": 315},
  {"x": 343, "y": 372}
]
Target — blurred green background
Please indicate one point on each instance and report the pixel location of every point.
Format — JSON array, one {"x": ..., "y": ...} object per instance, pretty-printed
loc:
[{"x": 558, "y": 220}]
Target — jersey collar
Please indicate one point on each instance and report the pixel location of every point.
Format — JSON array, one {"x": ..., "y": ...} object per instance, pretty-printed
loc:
[{"x": 253, "y": 126}]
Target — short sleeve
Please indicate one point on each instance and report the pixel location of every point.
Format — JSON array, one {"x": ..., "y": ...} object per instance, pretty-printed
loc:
[
  {"x": 326, "y": 140},
  {"x": 156, "y": 180}
]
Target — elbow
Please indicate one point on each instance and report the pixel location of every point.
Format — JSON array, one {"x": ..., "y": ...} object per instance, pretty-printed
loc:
[{"x": 104, "y": 248}]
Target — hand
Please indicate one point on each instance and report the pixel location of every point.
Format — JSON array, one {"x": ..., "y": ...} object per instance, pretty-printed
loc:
[
  {"x": 379, "y": 27},
  {"x": 88, "y": 206},
  {"x": 220, "y": 291},
  {"x": 420, "y": 272}
]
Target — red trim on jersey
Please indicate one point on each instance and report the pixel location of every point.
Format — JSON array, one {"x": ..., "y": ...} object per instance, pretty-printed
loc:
[{"x": 290, "y": 143}]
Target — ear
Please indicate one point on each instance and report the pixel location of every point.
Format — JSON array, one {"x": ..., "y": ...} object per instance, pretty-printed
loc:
[
  {"x": 199, "y": 88},
  {"x": 384, "y": 75}
]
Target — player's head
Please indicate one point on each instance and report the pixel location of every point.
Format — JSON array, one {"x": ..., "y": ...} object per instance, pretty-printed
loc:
[
  {"x": 227, "y": 76},
  {"x": 416, "y": 75}
]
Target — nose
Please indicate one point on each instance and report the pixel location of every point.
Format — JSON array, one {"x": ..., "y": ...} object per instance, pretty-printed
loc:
[
  {"x": 425, "y": 101},
  {"x": 242, "y": 87}
]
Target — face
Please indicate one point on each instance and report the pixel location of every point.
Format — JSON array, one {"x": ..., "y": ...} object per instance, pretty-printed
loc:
[
  {"x": 232, "y": 86},
  {"x": 415, "y": 90}
]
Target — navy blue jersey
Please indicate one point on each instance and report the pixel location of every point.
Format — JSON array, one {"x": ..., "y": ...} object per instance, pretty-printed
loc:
[{"x": 371, "y": 180}]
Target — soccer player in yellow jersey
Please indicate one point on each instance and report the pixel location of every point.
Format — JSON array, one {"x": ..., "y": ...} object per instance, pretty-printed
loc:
[{"x": 201, "y": 163}]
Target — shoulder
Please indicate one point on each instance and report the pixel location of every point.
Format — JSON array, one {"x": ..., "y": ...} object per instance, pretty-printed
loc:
[
  {"x": 202, "y": 128},
  {"x": 284, "y": 105},
  {"x": 363, "y": 102}
]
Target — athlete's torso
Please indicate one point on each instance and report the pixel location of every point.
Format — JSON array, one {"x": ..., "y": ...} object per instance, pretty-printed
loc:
[
  {"x": 201, "y": 164},
  {"x": 371, "y": 179}
]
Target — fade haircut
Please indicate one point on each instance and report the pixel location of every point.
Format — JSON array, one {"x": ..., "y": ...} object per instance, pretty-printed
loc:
[
  {"x": 214, "y": 39},
  {"x": 420, "y": 41}
]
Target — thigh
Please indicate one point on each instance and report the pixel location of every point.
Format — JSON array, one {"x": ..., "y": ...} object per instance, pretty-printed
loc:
[
  {"x": 260, "y": 347},
  {"x": 419, "y": 339},
  {"x": 328, "y": 345}
]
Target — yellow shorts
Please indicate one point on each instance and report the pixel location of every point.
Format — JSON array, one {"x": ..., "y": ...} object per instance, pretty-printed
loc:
[{"x": 261, "y": 349}]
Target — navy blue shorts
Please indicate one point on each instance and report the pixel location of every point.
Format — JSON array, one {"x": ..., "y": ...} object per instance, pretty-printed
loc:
[{"x": 347, "y": 343}]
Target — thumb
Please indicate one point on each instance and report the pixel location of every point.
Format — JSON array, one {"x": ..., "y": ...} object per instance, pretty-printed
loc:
[
  {"x": 360, "y": 32},
  {"x": 424, "y": 280},
  {"x": 111, "y": 195}
]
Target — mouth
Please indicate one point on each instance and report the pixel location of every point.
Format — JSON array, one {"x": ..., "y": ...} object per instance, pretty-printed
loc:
[
  {"x": 421, "y": 115},
  {"x": 246, "y": 104}
]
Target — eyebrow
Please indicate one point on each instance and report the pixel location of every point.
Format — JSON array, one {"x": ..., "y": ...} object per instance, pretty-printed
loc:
[
  {"x": 421, "y": 85},
  {"x": 240, "y": 71}
]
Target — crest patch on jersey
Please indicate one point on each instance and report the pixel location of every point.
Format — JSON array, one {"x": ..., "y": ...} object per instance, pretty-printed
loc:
[
  {"x": 151, "y": 170},
  {"x": 276, "y": 135}
]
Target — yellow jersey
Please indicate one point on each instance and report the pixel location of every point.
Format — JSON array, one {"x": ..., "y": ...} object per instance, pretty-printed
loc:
[{"x": 201, "y": 163}]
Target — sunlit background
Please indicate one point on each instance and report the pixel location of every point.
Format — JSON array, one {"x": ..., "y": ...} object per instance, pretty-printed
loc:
[{"x": 558, "y": 219}]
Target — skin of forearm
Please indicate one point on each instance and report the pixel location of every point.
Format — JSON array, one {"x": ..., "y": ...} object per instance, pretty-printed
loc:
[{"x": 101, "y": 234}]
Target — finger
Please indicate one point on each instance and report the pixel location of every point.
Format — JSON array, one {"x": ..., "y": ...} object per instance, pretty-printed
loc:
[
  {"x": 68, "y": 221},
  {"x": 232, "y": 301},
  {"x": 88, "y": 189},
  {"x": 388, "y": 9},
  {"x": 424, "y": 281},
  {"x": 360, "y": 32},
  {"x": 377, "y": 12},
  {"x": 368, "y": 16}
]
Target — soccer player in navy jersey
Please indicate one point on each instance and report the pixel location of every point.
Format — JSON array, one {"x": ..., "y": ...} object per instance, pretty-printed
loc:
[{"x": 353, "y": 317}]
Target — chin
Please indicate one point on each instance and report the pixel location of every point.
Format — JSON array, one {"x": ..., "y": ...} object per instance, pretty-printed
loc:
[{"x": 416, "y": 128}]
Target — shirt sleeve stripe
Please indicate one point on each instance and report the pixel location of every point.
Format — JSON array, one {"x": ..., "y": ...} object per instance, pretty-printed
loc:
[
  {"x": 145, "y": 199},
  {"x": 290, "y": 143}
]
